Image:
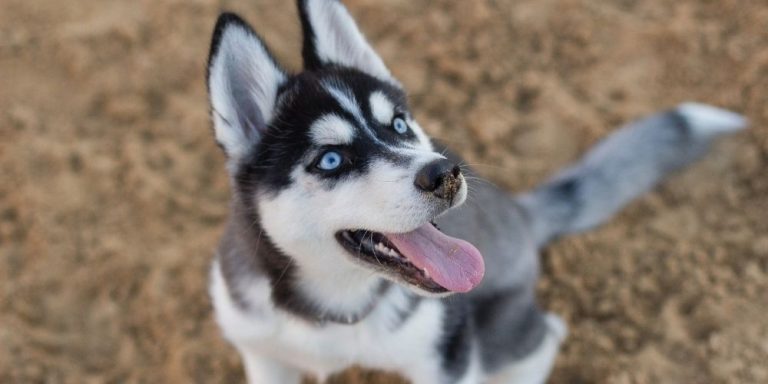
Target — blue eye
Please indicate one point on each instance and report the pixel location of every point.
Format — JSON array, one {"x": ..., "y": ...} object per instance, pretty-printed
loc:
[
  {"x": 400, "y": 125},
  {"x": 330, "y": 161}
]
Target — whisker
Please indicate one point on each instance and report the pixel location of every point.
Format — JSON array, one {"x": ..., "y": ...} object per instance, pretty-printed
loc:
[
  {"x": 287, "y": 265},
  {"x": 489, "y": 166},
  {"x": 374, "y": 250}
]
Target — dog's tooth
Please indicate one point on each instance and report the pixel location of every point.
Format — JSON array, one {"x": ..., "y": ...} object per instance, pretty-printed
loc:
[
  {"x": 382, "y": 248},
  {"x": 426, "y": 273}
]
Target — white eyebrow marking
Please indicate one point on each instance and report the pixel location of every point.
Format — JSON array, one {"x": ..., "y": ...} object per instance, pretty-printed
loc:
[
  {"x": 346, "y": 99},
  {"x": 332, "y": 129},
  {"x": 348, "y": 102},
  {"x": 382, "y": 108}
]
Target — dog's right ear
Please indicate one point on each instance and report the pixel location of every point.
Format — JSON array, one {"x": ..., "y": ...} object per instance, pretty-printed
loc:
[{"x": 243, "y": 81}]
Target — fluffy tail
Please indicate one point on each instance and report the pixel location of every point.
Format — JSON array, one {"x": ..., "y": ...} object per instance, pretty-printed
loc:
[{"x": 623, "y": 166}]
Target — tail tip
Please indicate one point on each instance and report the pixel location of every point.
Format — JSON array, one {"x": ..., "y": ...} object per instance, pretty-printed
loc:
[{"x": 708, "y": 120}]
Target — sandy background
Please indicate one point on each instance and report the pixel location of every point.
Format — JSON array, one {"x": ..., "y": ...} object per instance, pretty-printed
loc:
[{"x": 113, "y": 194}]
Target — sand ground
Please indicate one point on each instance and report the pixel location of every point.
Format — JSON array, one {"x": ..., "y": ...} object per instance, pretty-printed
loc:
[{"x": 113, "y": 193}]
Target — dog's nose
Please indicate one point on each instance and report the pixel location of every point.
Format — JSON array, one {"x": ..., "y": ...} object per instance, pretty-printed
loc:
[{"x": 440, "y": 177}]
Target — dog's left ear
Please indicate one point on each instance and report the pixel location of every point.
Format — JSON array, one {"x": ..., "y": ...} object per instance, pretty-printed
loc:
[
  {"x": 243, "y": 81},
  {"x": 331, "y": 37}
]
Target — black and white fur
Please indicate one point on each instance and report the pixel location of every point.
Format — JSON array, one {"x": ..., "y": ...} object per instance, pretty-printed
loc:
[{"x": 293, "y": 301}]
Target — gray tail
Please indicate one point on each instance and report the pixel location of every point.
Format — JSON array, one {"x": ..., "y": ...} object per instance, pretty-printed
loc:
[{"x": 623, "y": 166}]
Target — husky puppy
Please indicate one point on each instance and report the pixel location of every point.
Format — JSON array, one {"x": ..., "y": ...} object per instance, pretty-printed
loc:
[{"x": 347, "y": 242}]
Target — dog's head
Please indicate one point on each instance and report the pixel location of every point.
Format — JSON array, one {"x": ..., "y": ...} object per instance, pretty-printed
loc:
[{"x": 332, "y": 160}]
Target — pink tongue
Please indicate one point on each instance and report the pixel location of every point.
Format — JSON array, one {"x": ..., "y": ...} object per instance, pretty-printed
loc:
[{"x": 453, "y": 263}]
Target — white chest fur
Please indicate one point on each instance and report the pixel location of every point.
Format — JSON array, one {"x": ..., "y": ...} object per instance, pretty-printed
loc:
[{"x": 379, "y": 341}]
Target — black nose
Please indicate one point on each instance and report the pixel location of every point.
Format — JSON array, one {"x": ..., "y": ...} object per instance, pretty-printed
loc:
[{"x": 440, "y": 177}]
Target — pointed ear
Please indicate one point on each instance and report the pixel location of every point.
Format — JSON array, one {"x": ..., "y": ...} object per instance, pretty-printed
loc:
[
  {"x": 332, "y": 37},
  {"x": 243, "y": 80}
]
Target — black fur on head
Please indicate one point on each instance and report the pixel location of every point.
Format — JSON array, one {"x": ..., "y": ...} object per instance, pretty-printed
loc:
[
  {"x": 277, "y": 144},
  {"x": 302, "y": 101}
]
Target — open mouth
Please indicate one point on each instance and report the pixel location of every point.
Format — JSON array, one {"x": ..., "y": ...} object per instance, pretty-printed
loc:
[{"x": 425, "y": 257}]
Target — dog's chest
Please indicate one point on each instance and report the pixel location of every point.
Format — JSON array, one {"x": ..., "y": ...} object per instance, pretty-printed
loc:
[
  {"x": 329, "y": 348},
  {"x": 390, "y": 338}
]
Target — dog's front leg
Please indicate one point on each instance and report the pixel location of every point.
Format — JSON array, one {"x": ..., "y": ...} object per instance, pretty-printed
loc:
[{"x": 264, "y": 370}]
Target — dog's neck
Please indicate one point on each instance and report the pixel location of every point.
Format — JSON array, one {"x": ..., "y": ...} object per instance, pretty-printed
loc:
[{"x": 322, "y": 293}]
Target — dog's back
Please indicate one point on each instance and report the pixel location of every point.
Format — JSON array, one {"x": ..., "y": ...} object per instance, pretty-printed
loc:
[{"x": 510, "y": 230}]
